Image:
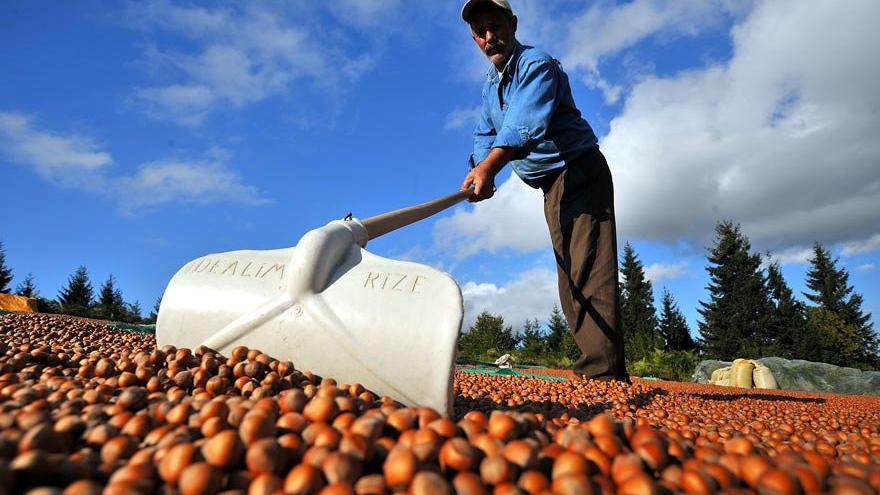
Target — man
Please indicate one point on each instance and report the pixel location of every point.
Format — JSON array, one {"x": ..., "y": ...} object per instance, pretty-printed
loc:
[{"x": 529, "y": 119}]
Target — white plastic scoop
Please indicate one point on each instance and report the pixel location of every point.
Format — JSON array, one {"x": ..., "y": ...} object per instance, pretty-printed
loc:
[{"x": 329, "y": 306}]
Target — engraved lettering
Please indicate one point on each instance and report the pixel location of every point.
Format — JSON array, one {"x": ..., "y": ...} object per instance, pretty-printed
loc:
[
  {"x": 371, "y": 278},
  {"x": 232, "y": 266},
  {"x": 202, "y": 268},
  {"x": 397, "y": 282},
  {"x": 276, "y": 267},
  {"x": 214, "y": 266},
  {"x": 416, "y": 283},
  {"x": 394, "y": 287}
]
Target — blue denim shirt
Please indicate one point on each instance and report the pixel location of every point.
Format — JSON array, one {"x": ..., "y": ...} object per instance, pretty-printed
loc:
[{"x": 529, "y": 106}]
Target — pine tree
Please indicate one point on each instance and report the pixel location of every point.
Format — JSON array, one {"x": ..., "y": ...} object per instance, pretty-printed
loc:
[
  {"x": 5, "y": 272},
  {"x": 832, "y": 292},
  {"x": 557, "y": 328},
  {"x": 27, "y": 288},
  {"x": 533, "y": 344},
  {"x": 788, "y": 318},
  {"x": 561, "y": 346},
  {"x": 673, "y": 326},
  {"x": 829, "y": 339},
  {"x": 569, "y": 350},
  {"x": 488, "y": 337},
  {"x": 111, "y": 305},
  {"x": 154, "y": 314},
  {"x": 637, "y": 313},
  {"x": 132, "y": 313},
  {"x": 736, "y": 316},
  {"x": 78, "y": 297}
]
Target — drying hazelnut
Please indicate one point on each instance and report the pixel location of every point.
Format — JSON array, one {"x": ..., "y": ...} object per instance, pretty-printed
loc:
[
  {"x": 430, "y": 483},
  {"x": 224, "y": 450},
  {"x": 199, "y": 478},
  {"x": 340, "y": 467},
  {"x": 372, "y": 484},
  {"x": 496, "y": 469},
  {"x": 265, "y": 484},
  {"x": 468, "y": 483},
  {"x": 456, "y": 453},
  {"x": 264, "y": 456},
  {"x": 501, "y": 426},
  {"x": 399, "y": 467},
  {"x": 303, "y": 480}
]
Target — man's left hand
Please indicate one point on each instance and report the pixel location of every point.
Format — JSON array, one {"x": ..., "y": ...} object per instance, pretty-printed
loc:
[
  {"x": 482, "y": 177},
  {"x": 483, "y": 182}
]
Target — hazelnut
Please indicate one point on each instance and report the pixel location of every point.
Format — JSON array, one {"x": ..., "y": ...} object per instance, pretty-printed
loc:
[
  {"x": 199, "y": 478},
  {"x": 399, "y": 468},
  {"x": 264, "y": 456},
  {"x": 458, "y": 454},
  {"x": 303, "y": 480},
  {"x": 224, "y": 450}
]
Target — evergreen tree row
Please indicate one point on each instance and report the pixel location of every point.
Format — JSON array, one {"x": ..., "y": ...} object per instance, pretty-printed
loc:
[
  {"x": 643, "y": 330},
  {"x": 78, "y": 297},
  {"x": 751, "y": 313},
  {"x": 489, "y": 338}
]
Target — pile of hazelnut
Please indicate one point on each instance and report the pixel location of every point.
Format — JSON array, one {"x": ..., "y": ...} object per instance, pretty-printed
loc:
[{"x": 88, "y": 409}]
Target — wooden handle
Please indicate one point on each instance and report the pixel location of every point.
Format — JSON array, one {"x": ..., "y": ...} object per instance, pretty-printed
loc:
[{"x": 393, "y": 220}]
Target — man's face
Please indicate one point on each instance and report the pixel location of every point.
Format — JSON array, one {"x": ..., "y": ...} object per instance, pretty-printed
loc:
[{"x": 494, "y": 32}]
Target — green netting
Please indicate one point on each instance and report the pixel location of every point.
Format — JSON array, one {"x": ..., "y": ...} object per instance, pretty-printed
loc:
[
  {"x": 509, "y": 372},
  {"x": 474, "y": 362},
  {"x": 133, "y": 328}
]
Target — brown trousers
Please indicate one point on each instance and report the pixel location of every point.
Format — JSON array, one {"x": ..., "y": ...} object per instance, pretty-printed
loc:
[{"x": 579, "y": 207}]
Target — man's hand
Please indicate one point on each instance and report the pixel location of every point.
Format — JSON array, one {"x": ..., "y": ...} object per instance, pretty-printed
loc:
[
  {"x": 482, "y": 177},
  {"x": 482, "y": 181}
]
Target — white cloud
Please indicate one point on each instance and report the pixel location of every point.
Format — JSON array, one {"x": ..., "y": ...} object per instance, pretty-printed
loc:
[
  {"x": 796, "y": 255},
  {"x": 76, "y": 161},
  {"x": 865, "y": 246},
  {"x": 531, "y": 294},
  {"x": 867, "y": 267},
  {"x": 463, "y": 118},
  {"x": 186, "y": 105},
  {"x": 657, "y": 272},
  {"x": 584, "y": 38},
  {"x": 49, "y": 153},
  {"x": 756, "y": 139},
  {"x": 248, "y": 53},
  {"x": 770, "y": 138},
  {"x": 513, "y": 218},
  {"x": 606, "y": 29},
  {"x": 171, "y": 181}
]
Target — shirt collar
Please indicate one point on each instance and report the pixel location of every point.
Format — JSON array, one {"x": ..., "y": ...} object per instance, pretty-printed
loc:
[{"x": 495, "y": 75}]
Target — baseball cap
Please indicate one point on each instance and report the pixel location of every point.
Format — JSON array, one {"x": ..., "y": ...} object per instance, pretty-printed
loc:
[{"x": 470, "y": 4}]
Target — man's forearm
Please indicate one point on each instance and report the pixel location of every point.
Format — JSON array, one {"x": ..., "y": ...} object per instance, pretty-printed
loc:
[{"x": 497, "y": 159}]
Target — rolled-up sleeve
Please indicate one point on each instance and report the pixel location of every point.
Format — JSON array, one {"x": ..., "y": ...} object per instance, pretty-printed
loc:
[
  {"x": 530, "y": 107},
  {"x": 484, "y": 136}
]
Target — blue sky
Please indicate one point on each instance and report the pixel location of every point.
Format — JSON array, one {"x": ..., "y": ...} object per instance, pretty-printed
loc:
[{"x": 136, "y": 136}]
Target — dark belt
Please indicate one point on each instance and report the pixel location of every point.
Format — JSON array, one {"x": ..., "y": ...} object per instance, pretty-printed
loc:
[{"x": 582, "y": 160}]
